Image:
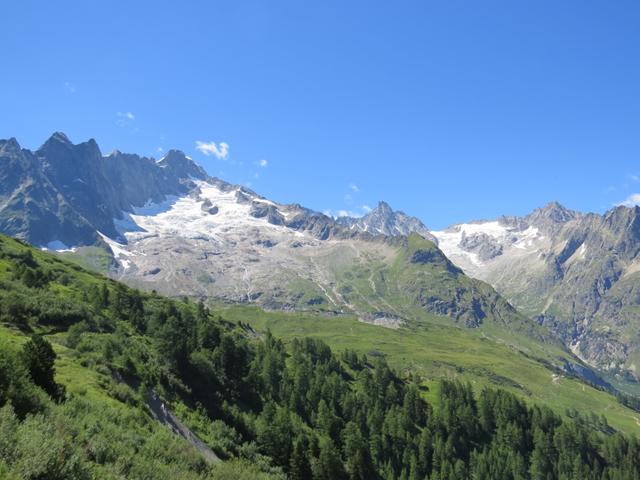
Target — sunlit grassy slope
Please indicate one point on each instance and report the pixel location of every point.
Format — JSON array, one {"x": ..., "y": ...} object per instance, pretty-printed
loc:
[{"x": 433, "y": 350}]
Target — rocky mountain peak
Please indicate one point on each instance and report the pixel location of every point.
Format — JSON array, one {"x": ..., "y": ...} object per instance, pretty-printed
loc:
[
  {"x": 624, "y": 220},
  {"x": 58, "y": 141},
  {"x": 383, "y": 220},
  {"x": 59, "y": 137},
  {"x": 383, "y": 208},
  {"x": 555, "y": 211},
  {"x": 9, "y": 147},
  {"x": 180, "y": 165},
  {"x": 551, "y": 217}
]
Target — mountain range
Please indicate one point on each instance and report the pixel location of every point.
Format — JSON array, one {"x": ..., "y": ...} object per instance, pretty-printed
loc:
[
  {"x": 172, "y": 228},
  {"x": 576, "y": 273},
  {"x": 169, "y": 226}
]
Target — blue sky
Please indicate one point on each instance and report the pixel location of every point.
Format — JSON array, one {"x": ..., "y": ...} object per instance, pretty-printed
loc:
[{"x": 448, "y": 110}]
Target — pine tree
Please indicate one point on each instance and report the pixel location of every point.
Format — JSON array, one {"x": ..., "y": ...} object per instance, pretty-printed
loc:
[
  {"x": 299, "y": 465},
  {"x": 39, "y": 357}
]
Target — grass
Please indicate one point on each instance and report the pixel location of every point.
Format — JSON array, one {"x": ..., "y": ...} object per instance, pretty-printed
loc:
[{"x": 95, "y": 259}]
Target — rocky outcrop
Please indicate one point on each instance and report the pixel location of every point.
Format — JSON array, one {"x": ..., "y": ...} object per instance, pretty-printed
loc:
[
  {"x": 69, "y": 192},
  {"x": 383, "y": 220},
  {"x": 265, "y": 210}
]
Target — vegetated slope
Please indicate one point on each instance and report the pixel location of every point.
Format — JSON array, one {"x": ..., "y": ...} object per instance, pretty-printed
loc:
[{"x": 297, "y": 408}]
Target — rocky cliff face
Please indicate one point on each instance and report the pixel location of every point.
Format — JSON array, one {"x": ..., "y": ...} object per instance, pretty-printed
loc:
[
  {"x": 383, "y": 220},
  {"x": 68, "y": 193},
  {"x": 576, "y": 273}
]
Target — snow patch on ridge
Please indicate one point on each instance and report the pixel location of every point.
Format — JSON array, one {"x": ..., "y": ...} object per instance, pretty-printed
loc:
[
  {"x": 119, "y": 251},
  {"x": 186, "y": 217},
  {"x": 512, "y": 241},
  {"x": 449, "y": 243},
  {"x": 58, "y": 246}
]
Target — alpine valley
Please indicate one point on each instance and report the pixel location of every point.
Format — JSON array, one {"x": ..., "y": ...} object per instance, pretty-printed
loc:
[{"x": 545, "y": 307}]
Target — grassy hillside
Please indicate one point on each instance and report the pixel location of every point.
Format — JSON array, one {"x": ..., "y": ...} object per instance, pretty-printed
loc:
[
  {"x": 85, "y": 361},
  {"x": 483, "y": 357}
]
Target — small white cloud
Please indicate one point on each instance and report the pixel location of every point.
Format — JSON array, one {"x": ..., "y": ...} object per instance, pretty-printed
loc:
[
  {"x": 159, "y": 149},
  {"x": 348, "y": 197},
  {"x": 354, "y": 188},
  {"x": 263, "y": 163},
  {"x": 124, "y": 118},
  {"x": 635, "y": 178},
  {"x": 347, "y": 213},
  {"x": 69, "y": 87},
  {"x": 342, "y": 213},
  {"x": 631, "y": 201},
  {"x": 220, "y": 151}
]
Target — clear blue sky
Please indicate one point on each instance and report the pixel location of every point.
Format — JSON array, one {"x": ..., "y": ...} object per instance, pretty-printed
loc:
[{"x": 448, "y": 110}]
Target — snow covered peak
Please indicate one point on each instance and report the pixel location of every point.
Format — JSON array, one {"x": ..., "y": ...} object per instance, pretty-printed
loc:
[{"x": 551, "y": 218}]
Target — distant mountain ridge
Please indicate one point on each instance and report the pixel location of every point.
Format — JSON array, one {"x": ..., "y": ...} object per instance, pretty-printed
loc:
[
  {"x": 577, "y": 273},
  {"x": 383, "y": 220}
]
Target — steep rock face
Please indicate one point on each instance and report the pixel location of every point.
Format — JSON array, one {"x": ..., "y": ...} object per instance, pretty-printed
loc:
[
  {"x": 383, "y": 220},
  {"x": 68, "y": 193},
  {"x": 31, "y": 207},
  {"x": 576, "y": 273},
  {"x": 77, "y": 173}
]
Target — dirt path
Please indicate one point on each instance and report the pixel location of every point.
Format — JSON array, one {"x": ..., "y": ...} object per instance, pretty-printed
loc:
[{"x": 163, "y": 415}]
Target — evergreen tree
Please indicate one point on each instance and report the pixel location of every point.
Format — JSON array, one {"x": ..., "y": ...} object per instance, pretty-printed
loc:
[{"x": 39, "y": 358}]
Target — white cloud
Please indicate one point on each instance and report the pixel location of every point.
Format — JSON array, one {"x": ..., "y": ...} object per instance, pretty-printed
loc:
[
  {"x": 220, "y": 151},
  {"x": 69, "y": 87},
  {"x": 125, "y": 118},
  {"x": 366, "y": 208},
  {"x": 631, "y": 201},
  {"x": 263, "y": 163},
  {"x": 354, "y": 188},
  {"x": 343, "y": 213},
  {"x": 348, "y": 197},
  {"x": 635, "y": 178},
  {"x": 348, "y": 213}
]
